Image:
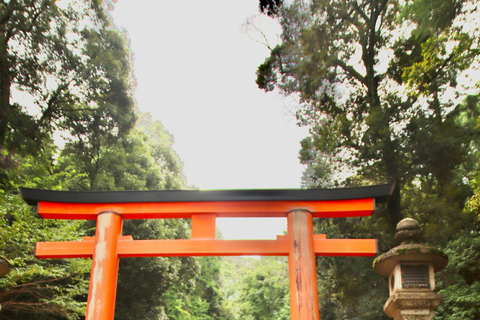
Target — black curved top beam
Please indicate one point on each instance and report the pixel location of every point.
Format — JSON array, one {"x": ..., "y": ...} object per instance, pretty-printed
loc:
[{"x": 381, "y": 193}]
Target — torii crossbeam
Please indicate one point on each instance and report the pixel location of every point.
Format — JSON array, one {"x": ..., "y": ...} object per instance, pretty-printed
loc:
[{"x": 110, "y": 208}]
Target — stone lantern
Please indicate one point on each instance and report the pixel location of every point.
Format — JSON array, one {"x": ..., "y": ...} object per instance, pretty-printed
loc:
[{"x": 411, "y": 268}]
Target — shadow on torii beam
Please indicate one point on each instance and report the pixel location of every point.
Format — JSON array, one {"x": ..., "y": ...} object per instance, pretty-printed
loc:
[{"x": 110, "y": 208}]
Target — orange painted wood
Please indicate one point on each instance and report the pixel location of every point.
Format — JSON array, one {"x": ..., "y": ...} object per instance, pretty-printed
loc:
[
  {"x": 302, "y": 267},
  {"x": 211, "y": 247},
  {"x": 346, "y": 247},
  {"x": 151, "y": 210},
  {"x": 64, "y": 249},
  {"x": 150, "y": 248},
  {"x": 203, "y": 226},
  {"x": 86, "y": 238},
  {"x": 103, "y": 277}
]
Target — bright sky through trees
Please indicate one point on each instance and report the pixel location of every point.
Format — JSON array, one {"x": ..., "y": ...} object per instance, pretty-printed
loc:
[{"x": 196, "y": 73}]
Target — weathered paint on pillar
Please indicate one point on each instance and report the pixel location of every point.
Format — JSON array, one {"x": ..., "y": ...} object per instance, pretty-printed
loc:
[
  {"x": 103, "y": 277},
  {"x": 302, "y": 266}
]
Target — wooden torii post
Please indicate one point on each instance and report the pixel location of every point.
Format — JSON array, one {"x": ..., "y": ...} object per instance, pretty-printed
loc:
[{"x": 110, "y": 208}]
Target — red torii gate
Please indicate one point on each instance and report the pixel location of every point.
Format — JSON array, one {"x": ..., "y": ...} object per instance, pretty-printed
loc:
[{"x": 109, "y": 208}]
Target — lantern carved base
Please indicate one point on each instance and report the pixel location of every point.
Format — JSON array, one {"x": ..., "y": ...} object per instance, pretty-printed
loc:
[{"x": 412, "y": 306}]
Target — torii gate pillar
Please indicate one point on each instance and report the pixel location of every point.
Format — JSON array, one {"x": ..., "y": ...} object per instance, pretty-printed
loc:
[
  {"x": 302, "y": 266},
  {"x": 102, "y": 290}
]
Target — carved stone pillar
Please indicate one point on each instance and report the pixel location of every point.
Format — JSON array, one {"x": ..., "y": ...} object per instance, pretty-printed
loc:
[{"x": 412, "y": 306}]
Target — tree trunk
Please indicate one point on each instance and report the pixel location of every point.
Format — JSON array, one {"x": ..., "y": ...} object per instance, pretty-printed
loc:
[{"x": 4, "y": 86}]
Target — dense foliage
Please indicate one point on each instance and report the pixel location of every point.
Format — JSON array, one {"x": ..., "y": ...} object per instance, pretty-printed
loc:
[
  {"x": 256, "y": 288},
  {"x": 384, "y": 88},
  {"x": 64, "y": 70}
]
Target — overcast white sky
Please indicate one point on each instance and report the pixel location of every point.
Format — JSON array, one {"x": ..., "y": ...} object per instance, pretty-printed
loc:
[{"x": 196, "y": 73}]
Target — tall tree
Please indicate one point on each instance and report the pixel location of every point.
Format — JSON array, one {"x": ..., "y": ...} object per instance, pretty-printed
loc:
[
  {"x": 379, "y": 86},
  {"x": 357, "y": 73},
  {"x": 58, "y": 66}
]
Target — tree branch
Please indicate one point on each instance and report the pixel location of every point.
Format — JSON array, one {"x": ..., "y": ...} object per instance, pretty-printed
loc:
[
  {"x": 245, "y": 28},
  {"x": 360, "y": 11},
  {"x": 350, "y": 70}
]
